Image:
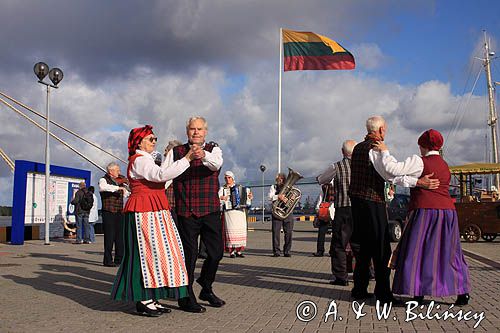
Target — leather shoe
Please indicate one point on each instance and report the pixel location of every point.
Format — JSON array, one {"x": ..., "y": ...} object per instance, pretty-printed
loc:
[
  {"x": 462, "y": 300},
  {"x": 211, "y": 298},
  {"x": 161, "y": 308},
  {"x": 110, "y": 265},
  {"x": 339, "y": 282},
  {"x": 276, "y": 254},
  {"x": 240, "y": 255},
  {"x": 288, "y": 255},
  {"x": 185, "y": 304},
  {"x": 143, "y": 310},
  {"x": 318, "y": 254}
]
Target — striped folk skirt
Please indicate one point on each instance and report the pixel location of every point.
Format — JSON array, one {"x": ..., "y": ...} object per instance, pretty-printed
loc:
[
  {"x": 153, "y": 265},
  {"x": 235, "y": 229},
  {"x": 428, "y": 259}
]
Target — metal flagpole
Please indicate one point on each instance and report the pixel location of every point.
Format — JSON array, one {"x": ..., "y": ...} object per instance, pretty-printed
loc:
[{"x": 279, "y": 101}]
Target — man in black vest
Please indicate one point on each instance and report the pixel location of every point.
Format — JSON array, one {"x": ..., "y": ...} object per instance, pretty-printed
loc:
[
  {"x": 198, "y": 211},
  {"x": 369, "y": 213},
  {"x": 112, "y": 187}
]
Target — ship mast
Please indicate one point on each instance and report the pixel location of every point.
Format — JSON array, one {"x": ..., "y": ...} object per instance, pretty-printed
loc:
[{"x": 492, "y": 121}]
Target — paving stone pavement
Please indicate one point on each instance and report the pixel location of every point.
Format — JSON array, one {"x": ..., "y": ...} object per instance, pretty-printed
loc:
[{"x": 63, "y": 287}]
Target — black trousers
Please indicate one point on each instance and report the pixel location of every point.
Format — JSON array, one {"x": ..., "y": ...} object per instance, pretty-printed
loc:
[
  {"x": 209, "y": 227},
  {"x": 371, "y": 231},
  {"x": 287, "y": 225},
  {"x": 113, "y": 235},
  {"x": 322, "y": 230},
  {"x": 341, "y": 235}
]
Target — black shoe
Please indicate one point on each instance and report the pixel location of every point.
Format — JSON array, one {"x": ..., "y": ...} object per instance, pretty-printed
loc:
[
  {"x": 288, "y": 255},
  {"x": 356, "y": 295},
  {"x": 232, "y": 255},
  {"x": 161, "y": 308},
  {"x": 110, "y": 265},
  {"x": 318, "y": 254},
  {"x": 143, "y": 310},
  {"x": 185, "y": 304},
  {"x": 339, "y": 282},
  {"x": 390, "y": 299},
  {"x": 240, "y": 255},
  {"x": 211, "y": 298},
  {"x": 462, "y": 300},
  {"x": 418, "y": 299},
  {"x": 276, "y": 254}
]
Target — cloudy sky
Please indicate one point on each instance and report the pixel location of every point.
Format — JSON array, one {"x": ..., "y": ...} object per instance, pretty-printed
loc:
[{"x": 128, "y": 63}]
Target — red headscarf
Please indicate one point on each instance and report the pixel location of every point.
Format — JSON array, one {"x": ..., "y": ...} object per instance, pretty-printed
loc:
[
  {"x": 135, "y": 137},
  {"x": 431, "y": 139}
]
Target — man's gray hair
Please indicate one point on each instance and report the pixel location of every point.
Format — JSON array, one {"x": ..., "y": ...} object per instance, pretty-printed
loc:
[
  {"x": 374, "y": 123},
  {"x": 111, "y": 165},
  {"x": 348, "y": 147},
  {"x": 190, "y": 120}
]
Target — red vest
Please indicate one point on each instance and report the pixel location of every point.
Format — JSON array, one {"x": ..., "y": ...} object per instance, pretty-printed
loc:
[
  {"x": 145, "y": 196},
  {"x": 196, "y": 189},
  {"x": 436, "y": 199}
]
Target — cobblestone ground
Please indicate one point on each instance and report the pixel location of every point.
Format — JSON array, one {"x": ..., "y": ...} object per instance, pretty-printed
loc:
[{"x": 63, "y": 287}]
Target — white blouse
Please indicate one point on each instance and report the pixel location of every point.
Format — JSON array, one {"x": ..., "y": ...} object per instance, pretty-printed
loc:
[
  {"x": 405, "y": 173},
  {"x": 144, "y": 167},
  {"x": 212, "y": 160}
]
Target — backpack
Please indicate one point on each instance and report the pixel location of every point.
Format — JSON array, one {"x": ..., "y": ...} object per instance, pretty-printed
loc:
[{"x": 87, "y": 201}]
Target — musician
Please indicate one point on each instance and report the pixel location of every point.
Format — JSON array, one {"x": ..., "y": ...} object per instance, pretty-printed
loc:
[
  {"x": 234, "y": 205},
  {"x": 113, "y": 188},
  {"x": 197, "y": 206},
  {"x": 153, "y": 266},
  {"x": 277, "y": 224}
]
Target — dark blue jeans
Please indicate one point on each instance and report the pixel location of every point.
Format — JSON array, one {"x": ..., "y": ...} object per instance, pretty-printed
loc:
[{"x": 82, "y": 227}]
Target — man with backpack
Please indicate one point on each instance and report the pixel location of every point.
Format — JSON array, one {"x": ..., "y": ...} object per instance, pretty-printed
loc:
[{"x": 83, "y": 202}]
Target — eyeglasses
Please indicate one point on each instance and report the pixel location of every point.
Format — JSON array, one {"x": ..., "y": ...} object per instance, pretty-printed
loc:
[{"x": 153, "y": 139}]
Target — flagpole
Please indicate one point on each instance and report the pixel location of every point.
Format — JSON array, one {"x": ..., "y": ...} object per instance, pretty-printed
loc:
[{"x": 279, "y": 101}]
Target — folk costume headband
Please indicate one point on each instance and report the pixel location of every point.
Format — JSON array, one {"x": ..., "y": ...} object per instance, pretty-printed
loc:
[{"x": 135, "y": 137}]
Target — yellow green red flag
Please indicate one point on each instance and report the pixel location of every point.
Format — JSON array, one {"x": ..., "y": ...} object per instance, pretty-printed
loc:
[{"x": 309, "y": 51}]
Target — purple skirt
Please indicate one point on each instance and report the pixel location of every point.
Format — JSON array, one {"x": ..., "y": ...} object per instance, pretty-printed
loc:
[{"x": 428, "y": 259}]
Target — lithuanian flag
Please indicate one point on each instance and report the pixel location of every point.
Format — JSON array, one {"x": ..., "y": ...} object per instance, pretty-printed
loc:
[{"x": 309, "y": 51}]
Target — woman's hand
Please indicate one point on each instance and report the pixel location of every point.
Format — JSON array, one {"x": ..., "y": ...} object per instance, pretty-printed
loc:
[
  {"x": 380, "y": 146},
  {"x": 189, "y": 156}
]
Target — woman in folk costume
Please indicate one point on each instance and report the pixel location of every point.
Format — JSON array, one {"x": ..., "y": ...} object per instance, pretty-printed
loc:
[
  {"x": 235, "y": 219},
  {"x": 428, "y": 260},
  {"x": 153, "y": 265}
]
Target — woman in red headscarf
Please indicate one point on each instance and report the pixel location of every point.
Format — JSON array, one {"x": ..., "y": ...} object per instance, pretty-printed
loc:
[
  {"x": 153, "y": 264},
  {"x": 428, "y": 260}
]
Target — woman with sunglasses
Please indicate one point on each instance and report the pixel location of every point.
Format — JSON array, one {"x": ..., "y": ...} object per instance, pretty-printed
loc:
[{"x": 153, "y": 265}]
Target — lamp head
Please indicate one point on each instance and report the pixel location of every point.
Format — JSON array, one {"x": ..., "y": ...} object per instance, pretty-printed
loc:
[
  {"x": 56, "y": 76},
  {"x": 262, "y": 167},
  {"x": 41, "y": 70}
]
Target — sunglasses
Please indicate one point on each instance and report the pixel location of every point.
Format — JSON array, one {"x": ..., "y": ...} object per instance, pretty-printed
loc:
[{"x": 153, "y": 139}]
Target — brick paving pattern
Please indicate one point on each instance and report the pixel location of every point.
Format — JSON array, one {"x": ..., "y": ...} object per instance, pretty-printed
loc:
[{"x": 63, "y": 287}]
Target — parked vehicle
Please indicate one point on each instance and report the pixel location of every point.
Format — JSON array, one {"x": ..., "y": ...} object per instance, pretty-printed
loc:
[
  {"x": 396, "y": 214},
  {"x": 478, "y": 215}
]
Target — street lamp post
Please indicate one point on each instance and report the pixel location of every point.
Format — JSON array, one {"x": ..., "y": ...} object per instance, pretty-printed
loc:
[
  {"x": 263, "y": 169},
  {"x": 55, "y": 75}
]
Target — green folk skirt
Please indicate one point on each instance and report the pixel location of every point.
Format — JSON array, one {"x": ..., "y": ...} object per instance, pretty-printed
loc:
[{"x": 128, "y": 285}]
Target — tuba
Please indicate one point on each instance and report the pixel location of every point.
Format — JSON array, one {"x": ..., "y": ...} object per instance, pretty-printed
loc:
[{"x": 282, "y": 209}]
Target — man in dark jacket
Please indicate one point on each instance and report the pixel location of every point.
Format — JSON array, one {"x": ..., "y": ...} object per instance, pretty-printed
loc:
[{"x": 82, "y": 215}]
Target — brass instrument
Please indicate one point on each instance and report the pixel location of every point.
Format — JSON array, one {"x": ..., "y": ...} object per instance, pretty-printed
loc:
[{"x": 281, "y": 209}]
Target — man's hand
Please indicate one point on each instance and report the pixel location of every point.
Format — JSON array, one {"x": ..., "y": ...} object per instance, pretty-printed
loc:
[
  {"x": 428, "y": 183},
  {"x": 282, "y": 197},
  {"x": 198, "y": 152}
]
